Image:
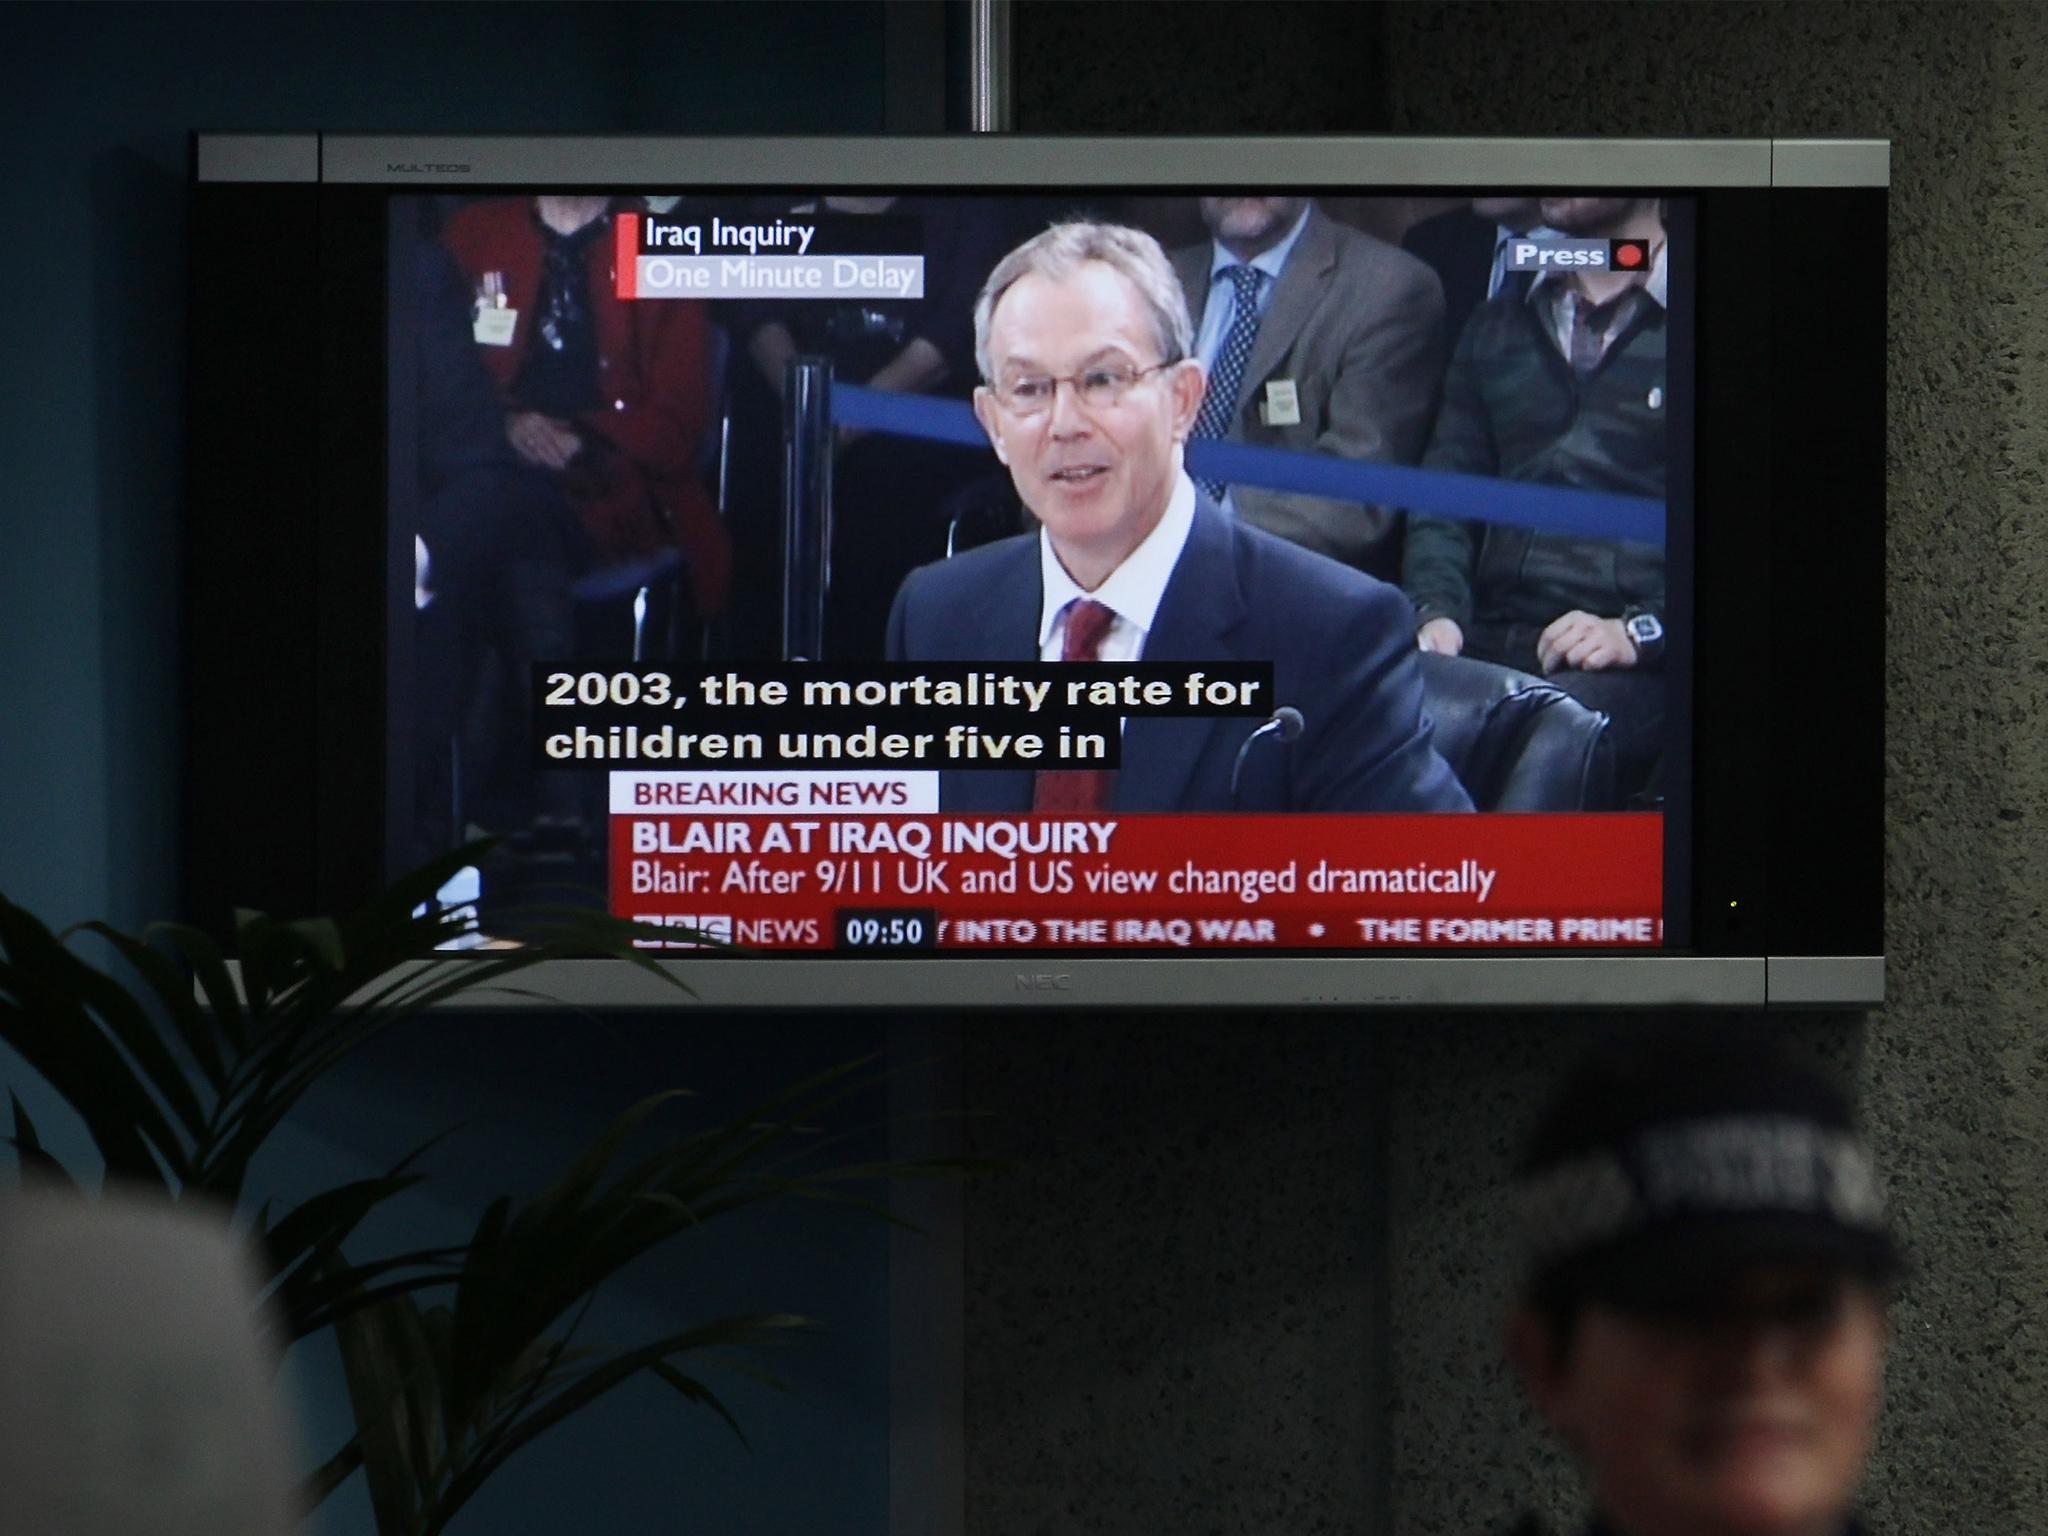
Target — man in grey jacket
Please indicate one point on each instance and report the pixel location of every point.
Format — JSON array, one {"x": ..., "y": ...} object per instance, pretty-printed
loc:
[{"x": 1315, "y": 336}]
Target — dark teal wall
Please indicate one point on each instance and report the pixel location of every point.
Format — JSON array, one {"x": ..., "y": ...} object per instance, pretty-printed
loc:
[
  {"x": 97, "y": 104},
  {"x": 96, "y": 107},
  {"x": 521, "y": 1095}
]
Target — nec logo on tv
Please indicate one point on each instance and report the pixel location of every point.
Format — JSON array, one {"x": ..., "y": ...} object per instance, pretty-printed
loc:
[{"x": 1554, "y": 254}]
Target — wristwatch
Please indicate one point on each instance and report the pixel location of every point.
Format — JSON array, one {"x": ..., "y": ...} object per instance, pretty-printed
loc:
[{"x": 1647, "y": 631}]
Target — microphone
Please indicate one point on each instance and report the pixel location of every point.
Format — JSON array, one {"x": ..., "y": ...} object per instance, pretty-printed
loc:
[{"x": 1286, "y": 723}]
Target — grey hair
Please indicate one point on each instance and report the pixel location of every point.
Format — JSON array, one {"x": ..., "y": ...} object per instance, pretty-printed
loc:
[{"x": 1059, "y": 250}]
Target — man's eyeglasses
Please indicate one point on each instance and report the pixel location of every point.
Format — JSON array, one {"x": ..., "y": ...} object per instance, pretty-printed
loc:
[{"x": 1096, "y": 388}]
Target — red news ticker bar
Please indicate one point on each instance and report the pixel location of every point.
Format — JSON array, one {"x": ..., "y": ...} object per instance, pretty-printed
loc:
[
  {"x": 626, "y": 254},
  {"x": 1224, "y": 882}
]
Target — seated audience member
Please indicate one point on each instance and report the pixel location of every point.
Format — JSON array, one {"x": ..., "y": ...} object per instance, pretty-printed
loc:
[
  {"x": 500, "y": 546},
  {"x": 1707, "y": 1274},
  {"x": 1082, "y": 334},
  {"x": 1565, "y": 385},
  {"x": 1315, "y": 337},
  {"x": 610, "y": 398},
  {"x": 887, "y": 489},
  {"x": 1467, "y": 249}
]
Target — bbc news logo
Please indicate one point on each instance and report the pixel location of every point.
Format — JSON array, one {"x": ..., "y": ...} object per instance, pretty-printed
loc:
[
  {"x": 1578, "y": 255},
  {"x": 708, "y": 930}
]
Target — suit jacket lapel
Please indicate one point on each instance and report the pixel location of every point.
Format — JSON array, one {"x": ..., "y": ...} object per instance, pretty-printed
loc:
[
  {"x": 1200, "y": 609},
  {"x": 1300, "y": 289},
  {"x": 1012, "y": 635}
]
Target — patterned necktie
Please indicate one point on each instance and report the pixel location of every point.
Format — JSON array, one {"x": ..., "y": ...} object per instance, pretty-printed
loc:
[
  {"x": 1061, "y": 791},
  {"x": 1593, "y": 326},
  {"x": 1226, "y": 374}
]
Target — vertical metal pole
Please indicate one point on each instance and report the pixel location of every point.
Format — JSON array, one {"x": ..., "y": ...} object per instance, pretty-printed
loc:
[
  {"x": 806, "y": 505},
  {"x": 988, "y": 62}
]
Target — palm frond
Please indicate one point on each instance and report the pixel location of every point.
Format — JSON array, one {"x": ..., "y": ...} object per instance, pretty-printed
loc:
[
  {"x": 457, "y": 1356},
  {"x": 36, "y": 1159}
]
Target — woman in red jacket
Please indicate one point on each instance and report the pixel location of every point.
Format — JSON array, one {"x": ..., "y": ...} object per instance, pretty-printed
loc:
[{"x": 612, "y": 396}]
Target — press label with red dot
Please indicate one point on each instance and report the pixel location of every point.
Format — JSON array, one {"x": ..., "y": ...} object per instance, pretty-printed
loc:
[{"x": 1629, "y": 255}]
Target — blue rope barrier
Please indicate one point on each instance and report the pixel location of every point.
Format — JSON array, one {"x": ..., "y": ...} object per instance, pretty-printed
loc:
[
  {"x": 879, "y": 410},
  {"x": 612, "y": 581},
  {"x": 1436, "y": 492}
]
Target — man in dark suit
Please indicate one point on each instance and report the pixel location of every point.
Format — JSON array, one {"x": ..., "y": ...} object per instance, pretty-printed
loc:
[
  {"x": 1082, "y": 338},
  {"x": 1315, "y": 337}
]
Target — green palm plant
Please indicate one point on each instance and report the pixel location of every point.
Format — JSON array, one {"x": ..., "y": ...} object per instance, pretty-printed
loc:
[
  {"x": 182, "y": 1075},
  {"x": 456, "y": 1356},
  {"x": 444, "y": 1395}
]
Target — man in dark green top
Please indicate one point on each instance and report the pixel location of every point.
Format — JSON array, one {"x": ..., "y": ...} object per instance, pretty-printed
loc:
[
  {"x": 1564, "y": 385},
  {"x": 1707, "y": 1266}
]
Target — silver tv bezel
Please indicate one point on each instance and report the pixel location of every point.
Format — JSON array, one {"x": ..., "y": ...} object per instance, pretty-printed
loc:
[{"x": 1039, "y": 980}]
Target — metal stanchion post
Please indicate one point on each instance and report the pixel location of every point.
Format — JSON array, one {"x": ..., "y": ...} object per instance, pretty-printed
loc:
[
  {"x": 988, "y": 66},
  {"x": 806, "y": 505}
]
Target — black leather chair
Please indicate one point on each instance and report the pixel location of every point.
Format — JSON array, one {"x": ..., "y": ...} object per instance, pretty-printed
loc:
[
  {"x": 982, "y": 511},
  {"x": 1516, "y": 742}
]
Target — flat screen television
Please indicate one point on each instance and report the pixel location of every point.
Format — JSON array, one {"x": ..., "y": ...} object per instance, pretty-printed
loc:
[{"x": 1057, "y": 571}]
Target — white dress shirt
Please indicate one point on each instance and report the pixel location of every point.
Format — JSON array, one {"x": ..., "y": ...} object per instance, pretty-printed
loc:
[
  {"x": 1132, "y": 591},
  {"x": 1501, "y": 236}
]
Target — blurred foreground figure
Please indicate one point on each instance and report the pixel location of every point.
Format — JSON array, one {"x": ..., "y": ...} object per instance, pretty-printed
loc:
[
  {"x": 1703, "y": 1317},
  {"x": 137, "y": 1397}
]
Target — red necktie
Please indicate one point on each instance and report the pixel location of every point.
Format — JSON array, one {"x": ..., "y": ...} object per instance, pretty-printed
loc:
[{"x": 1061, "y": 791}]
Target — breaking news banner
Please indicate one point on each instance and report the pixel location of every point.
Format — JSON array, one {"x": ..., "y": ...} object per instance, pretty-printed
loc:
[
  {"x": 860, "y": 861},
  {"x": 812, "y": 257}
]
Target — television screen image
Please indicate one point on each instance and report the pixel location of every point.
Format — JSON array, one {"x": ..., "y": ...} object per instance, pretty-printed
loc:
[
  {"x": 1007, "y": 569},
  {"x": 944, "y": 572}
]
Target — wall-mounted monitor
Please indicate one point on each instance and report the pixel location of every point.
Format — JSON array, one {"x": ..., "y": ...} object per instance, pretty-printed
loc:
[{"x": 1007, "y": 570}]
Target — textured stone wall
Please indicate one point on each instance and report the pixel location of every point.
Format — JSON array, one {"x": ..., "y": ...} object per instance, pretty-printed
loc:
[
  {"x": 1954, "y": 1071},
  {"x": 1171, "y": 1296}
]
